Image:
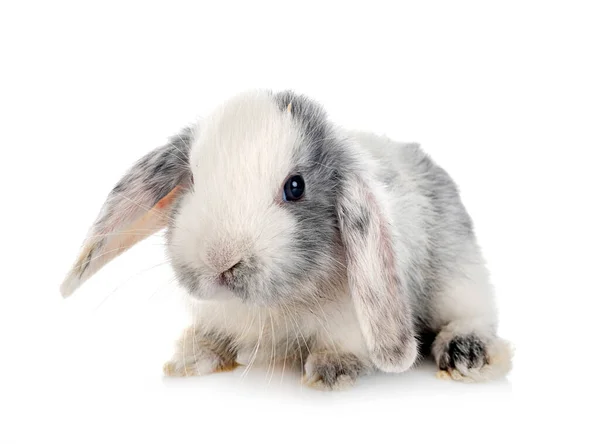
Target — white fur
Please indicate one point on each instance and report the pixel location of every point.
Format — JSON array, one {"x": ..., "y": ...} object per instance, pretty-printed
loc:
[
  {"x": 219, "y": 221},
  {"x": 243, "y": 153},
  {"x": 261, "y": 334},
  {"x": 255, "y": 141}
]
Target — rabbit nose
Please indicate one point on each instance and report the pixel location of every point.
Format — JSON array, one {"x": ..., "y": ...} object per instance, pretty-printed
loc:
[
  {"x": 223, "y": 258},
  {"x": 230, "y": 269},
  {"x": 227, "y": 276},
  {"x": 225, "y": 265},
  {"x": 224, "y": 255}
]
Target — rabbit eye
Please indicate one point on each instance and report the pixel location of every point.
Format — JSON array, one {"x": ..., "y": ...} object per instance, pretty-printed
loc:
[{"x": 293, "y": 188}]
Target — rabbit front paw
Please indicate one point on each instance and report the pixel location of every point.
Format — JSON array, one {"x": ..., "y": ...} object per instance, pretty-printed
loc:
[
  {"x": 332, "y": 371},
  {"x": 202, "y": 363},
  {"x": 199, "y": 353}
]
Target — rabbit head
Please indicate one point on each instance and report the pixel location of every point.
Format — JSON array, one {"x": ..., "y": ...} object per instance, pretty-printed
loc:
[{"x": 266, "y": 201}]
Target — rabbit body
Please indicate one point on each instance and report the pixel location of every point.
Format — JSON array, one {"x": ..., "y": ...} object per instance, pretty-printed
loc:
[{"x": 373, "y": 265}]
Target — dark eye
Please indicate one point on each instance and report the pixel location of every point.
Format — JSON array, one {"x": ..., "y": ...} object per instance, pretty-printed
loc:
[{"x": 293, "y": 188}]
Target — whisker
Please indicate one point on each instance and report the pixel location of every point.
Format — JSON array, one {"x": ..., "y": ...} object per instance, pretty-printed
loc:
[
  {"x": 258, "y": 341},
  {"x": 273, "y": 354},
  {"x": 129, "y": 279},
  {"x": 286, "y": 347}
]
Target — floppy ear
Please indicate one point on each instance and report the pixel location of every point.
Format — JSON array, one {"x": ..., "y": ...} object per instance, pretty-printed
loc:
[
  {"x": 137, "y": 207},
  {"x": 378, "y": 293}
]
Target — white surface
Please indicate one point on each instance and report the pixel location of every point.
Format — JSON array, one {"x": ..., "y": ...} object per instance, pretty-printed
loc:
[{"x": 505, "y": 98}]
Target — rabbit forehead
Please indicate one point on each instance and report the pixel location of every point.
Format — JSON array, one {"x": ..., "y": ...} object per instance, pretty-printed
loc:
[{"x": 249, "y": 139}]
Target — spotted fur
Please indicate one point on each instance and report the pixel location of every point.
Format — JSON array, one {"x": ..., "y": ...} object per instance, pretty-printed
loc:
[{"x": 377, "y": 253}]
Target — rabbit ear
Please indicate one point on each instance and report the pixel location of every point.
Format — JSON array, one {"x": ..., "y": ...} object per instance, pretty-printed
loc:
[
  {"x": 376, "y": 287},
  {"x": 137, "y": 207}
]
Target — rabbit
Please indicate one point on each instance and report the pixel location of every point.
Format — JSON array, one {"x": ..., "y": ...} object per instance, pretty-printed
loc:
[{"x": 301, "y": 242}]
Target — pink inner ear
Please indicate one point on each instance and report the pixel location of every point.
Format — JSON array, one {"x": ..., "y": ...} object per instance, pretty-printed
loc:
[
  {"x": 151, "y": 222},
  {"x": 96, "y": 253},
  {"x": 168, "y": 199}
]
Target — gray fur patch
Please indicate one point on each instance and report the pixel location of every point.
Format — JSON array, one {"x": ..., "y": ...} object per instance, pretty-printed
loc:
[
  {"x": 187, "y": 276},
  {"x": 331, "y": 369},
  {"x": 466, "y": 351},
  {"x": 321, "y": 159},
  {"x": 149, "y": 180},
  {"x": 447, "y": 224},
  {"x": 219, "y": 343},
  {"x": 358, "y": 219}
]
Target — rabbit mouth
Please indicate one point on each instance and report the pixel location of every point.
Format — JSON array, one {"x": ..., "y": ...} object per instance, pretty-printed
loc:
[{"x": 228, "y": 277}]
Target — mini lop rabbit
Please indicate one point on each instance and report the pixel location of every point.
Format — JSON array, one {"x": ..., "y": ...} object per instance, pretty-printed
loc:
[{"x": 344, "y": 252}]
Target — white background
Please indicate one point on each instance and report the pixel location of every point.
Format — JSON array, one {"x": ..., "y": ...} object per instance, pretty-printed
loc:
[{"x": 505, "y": 97}]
